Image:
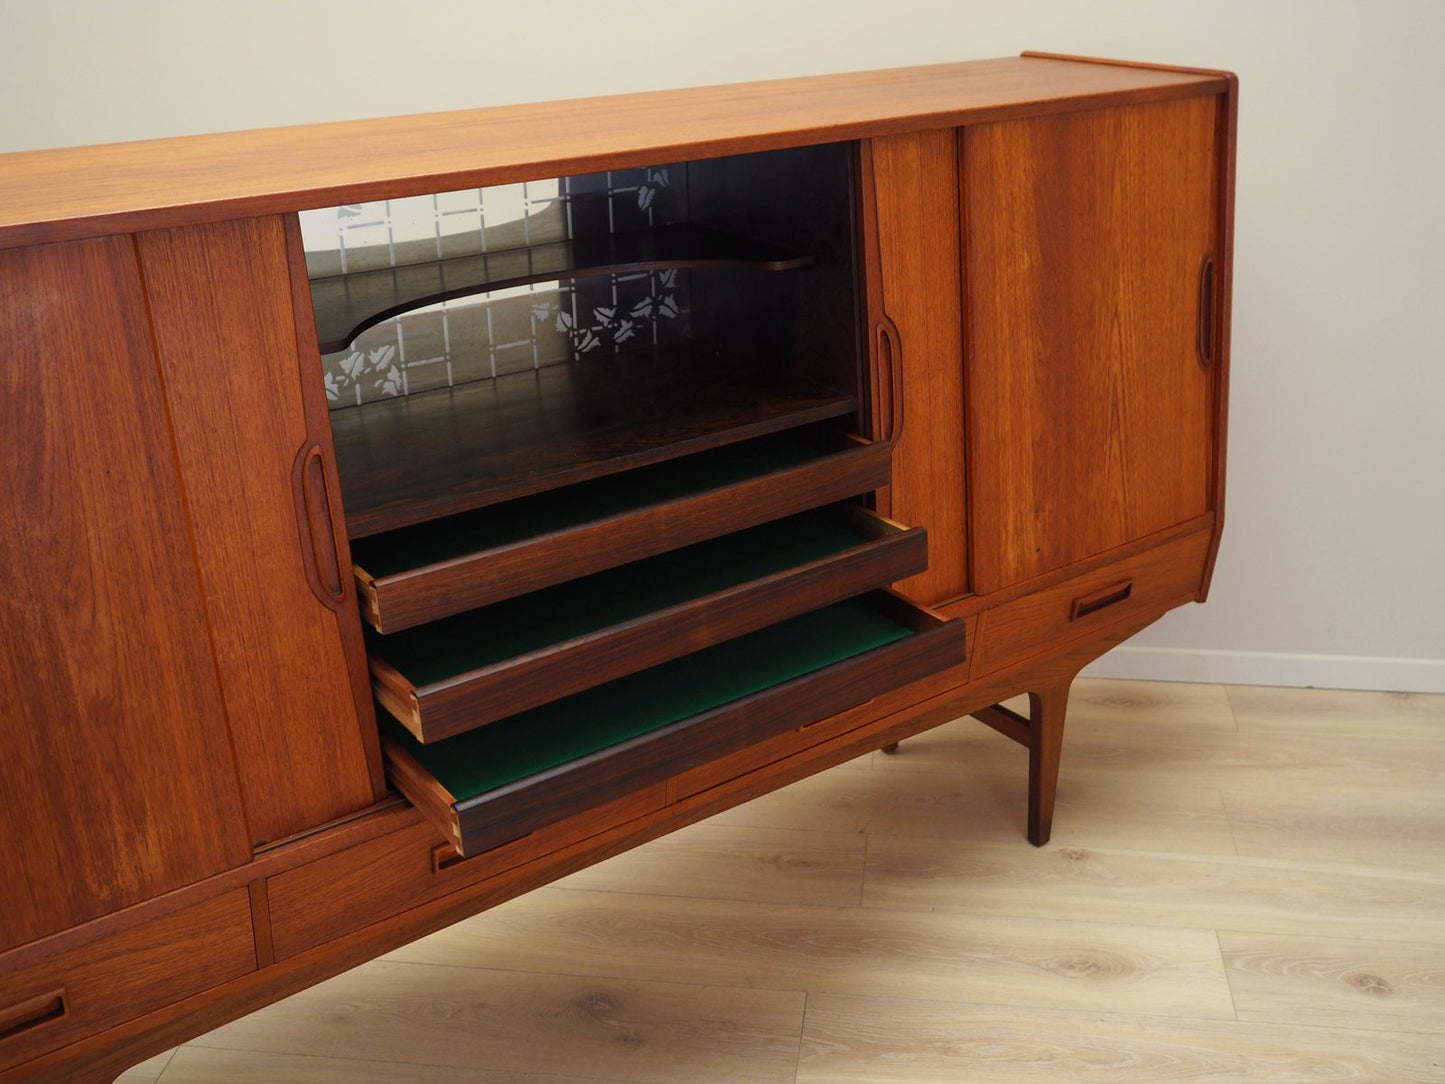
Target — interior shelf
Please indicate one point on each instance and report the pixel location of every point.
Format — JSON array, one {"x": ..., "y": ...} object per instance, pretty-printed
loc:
[
  {"x": 418, "y": 457},
  {"x": 346, "y": 305},
  {"x": 432, "y": 570},
  {"x": 501, "y": 781},
  {"x": 466, "y": 671}
]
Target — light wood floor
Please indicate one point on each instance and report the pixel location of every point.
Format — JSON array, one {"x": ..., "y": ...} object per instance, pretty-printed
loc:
[{"x": 1244, "y": 885}]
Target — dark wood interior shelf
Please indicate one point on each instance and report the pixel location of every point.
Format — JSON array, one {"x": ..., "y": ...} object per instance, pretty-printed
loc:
[
  {"x": 435, "y": 569},
  {"x": 501, "y": 781},
  {"x": 466, "y": 671},
  {"x": 407, "y": 460},
  {"x": 346, "y": 305}
]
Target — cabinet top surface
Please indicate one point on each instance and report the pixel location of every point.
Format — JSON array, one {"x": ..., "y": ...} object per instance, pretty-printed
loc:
[{"x": 76, "y": 192}]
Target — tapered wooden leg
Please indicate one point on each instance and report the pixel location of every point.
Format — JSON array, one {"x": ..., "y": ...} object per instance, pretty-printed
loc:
[
  {"x": 891, "y": 748},
  {"x": 1046, "y": 739}
]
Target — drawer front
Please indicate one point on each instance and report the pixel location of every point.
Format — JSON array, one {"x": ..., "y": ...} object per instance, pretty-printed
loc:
[
  {"x": 445, "y": 678},
  {"x": 430, "y": 571},
  {"x": 372, "y": 881},
  {"x": 1028, "y": 626},
  {"x": 47, "y": 1001},
  {"x": 479, "y": 799}
]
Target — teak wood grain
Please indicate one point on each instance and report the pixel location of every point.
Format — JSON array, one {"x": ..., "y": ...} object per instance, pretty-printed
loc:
[
  {"x": 416, "y": 458},
  {"x": 1090, "y": 417},
  {"x": 170, "y": 449},
  {"x": 221, "y": 305},
  {"x": 477, "y": 823},
  {"x": 897, "y": 715},
  {"x": 114, "y": 979},
  {"x": 104, "y": 649},
  {"x": 885, "y": 552},
  {"x": 911, "y": 220},
  {"x": 75, "y": 192},
  {"x": 1038, "y": 621},
  {"x": 427, "y": 592}
]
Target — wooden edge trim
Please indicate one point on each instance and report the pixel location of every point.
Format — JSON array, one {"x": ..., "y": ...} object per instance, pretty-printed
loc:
[
  {"x": 1216, "y": 73},
  {"x": 396, "y": 693},
  {"x": 866, "y": 232},
  {"x": 542, "y": 799},
  {"x": 423, "y": 791},
  {"x": 1008, "y": 723},
  {"x": 452, "y": 705},
  {"x": 391, "y": 515},
  {"x": 495, "y": 574},
  {"x": 318, "y": 429},
  {"x": 261, "y": 923},
  {"x": 289, "y": 198},
  {"x": 1223, "y": 304},
  {"x": 972, "y": 604}
]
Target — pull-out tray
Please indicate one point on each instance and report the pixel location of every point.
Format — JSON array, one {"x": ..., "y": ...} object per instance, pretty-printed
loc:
[
  {"x": 429, "y": 571},
  {"x": 502, "y": 781},
  {"x": 466, "y": 671}
]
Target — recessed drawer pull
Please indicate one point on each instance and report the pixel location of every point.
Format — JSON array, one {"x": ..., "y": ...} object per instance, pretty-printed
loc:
[
  {"x": 32, "y": 1013},
  {"x": 1101, "y": 599},
  {"x": 444, "y": 856}
]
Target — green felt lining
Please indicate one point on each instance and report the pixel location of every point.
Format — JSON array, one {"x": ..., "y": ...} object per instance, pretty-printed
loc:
[
  {"x": 533, "y": 741},
  {"x": 570, "y": 506},
  {"x": 481, "y": 637}
]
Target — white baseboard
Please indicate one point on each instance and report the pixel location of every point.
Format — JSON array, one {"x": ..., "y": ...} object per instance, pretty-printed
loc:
[{"x": 1271, "y": 668}]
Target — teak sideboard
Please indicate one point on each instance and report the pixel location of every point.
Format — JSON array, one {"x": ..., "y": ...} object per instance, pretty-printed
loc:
[{"x": 937, "y": 417}]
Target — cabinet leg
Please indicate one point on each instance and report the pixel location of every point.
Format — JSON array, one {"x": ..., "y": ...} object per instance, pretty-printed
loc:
[
  {"x": 1046, "y": 739},
  {"x": 891, "y": 748}
]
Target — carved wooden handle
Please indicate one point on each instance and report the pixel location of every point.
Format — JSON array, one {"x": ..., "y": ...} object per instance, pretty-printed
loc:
[
  {"x": 890, "y": 358},
  {"x": 1204, "y": 336},
  {"x": 318, "y": 532}
]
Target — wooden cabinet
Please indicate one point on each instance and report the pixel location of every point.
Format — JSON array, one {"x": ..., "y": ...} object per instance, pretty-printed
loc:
[
  {"x": 255, "y": 459},
  {"x": 118, "y": 781},
  {"x": 1091, "y": 242},
  {"x": 590, "y": 586}
]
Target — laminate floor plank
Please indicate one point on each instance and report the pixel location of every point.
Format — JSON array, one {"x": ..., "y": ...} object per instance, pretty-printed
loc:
[
  {"x": 205, "y": 1065},
  {"x": 1147, "y": 889},
  {"x": 848, "y": 1040},
  {"x": 1395, "y": 828},
  {"x": 1227, "y": 760},
  {"x": 1140, "y": 813},
  {"x": 1337, "y": 983},
  {"x": 1243, "y": 885},
  {"x": 467, "y": 1018},
  {"x": 955, "y": 956},
  {"x": 719, "y": 862},
  {"x": 148, "y": 1071},
  {"x": 1386, "y": 715}
]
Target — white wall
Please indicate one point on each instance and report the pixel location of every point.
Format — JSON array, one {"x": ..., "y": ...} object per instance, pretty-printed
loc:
[{"x": 1331, "y": 571}]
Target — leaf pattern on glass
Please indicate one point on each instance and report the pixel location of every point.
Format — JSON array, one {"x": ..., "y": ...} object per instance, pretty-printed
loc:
[
  {"x": 560, "y": 325},
  {"x": 391, "y": 384}
]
